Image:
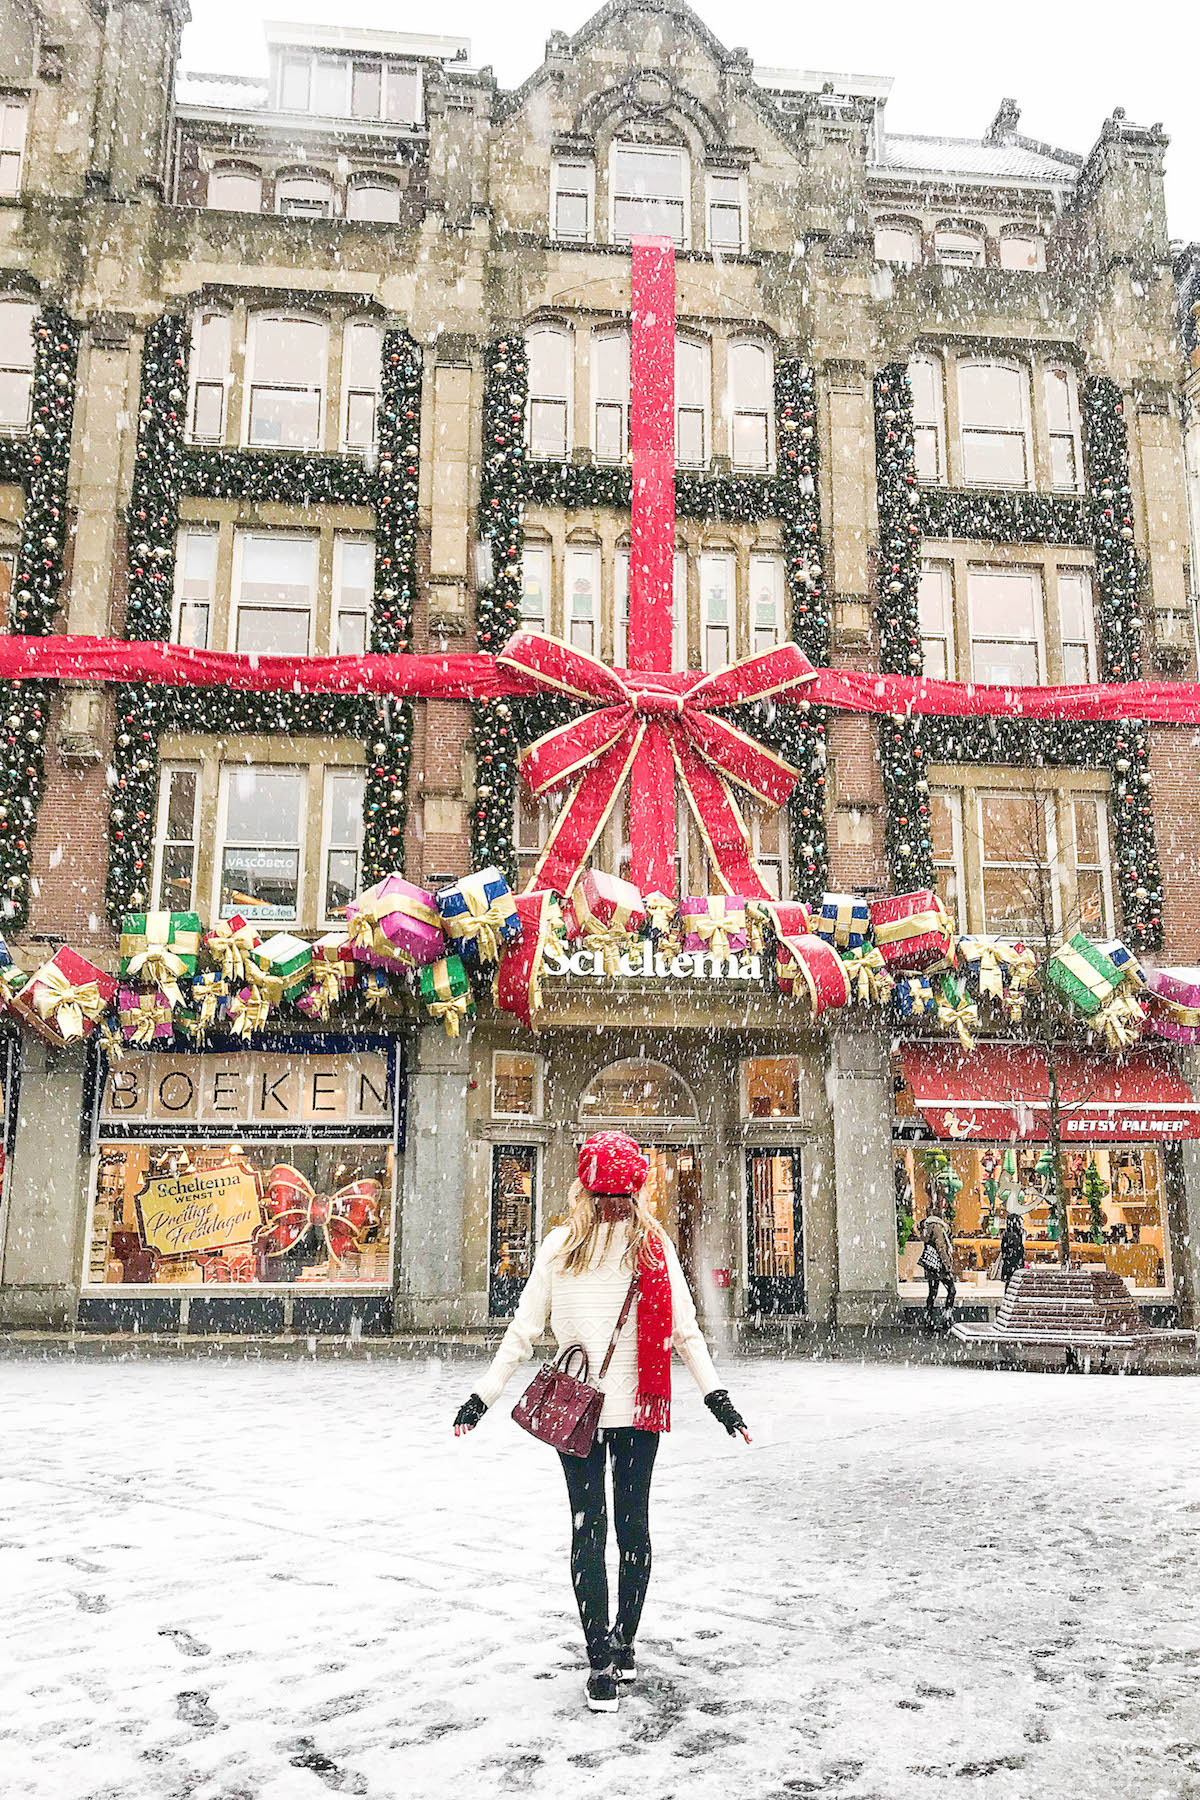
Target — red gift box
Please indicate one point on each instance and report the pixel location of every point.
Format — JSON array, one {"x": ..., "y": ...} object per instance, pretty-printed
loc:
[
  {"x": 912, "y": 931},
  {"x": 64, "y": 1000}
]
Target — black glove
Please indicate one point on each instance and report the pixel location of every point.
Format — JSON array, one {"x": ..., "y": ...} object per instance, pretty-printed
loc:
[
  {"x": 470, "y": 1412},
  {"x": 724, "y": 1411}
]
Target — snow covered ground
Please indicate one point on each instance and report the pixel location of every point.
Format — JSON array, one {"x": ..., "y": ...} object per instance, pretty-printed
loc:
[{"x": 269, "y": 1581}]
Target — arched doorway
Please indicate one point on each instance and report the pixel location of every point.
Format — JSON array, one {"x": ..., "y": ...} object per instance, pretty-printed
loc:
[{"x": 655, "y": 1105}]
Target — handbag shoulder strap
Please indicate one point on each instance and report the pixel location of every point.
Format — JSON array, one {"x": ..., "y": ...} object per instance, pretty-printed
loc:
[{"x": 612, "y": 1342}]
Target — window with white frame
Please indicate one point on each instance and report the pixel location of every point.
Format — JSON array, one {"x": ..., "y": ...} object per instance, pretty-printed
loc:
[
  {"x": 209, "y": 375},
  {"x": 260, "y": 841},
  {"x": 678, "y": 609},
  {"x": 693, "y": 390},
  {"x": 1062, "y": 424},
  {"x": 175, "y": 836},
  {"x": 1018, "y": 853},
  {"x": 751, "y": 381},
  {"x": 341, "y": 841},
  {"x": 621, "y": 608},
  {"x": 897, "y": 242},
  {"x": 402, "y": 96},
  {"x": 1093, "y": 866},
  {"x": 1005, "y": 610},
  {"x": 353, "y": 586},
  {"x": 373, "y": 202},
  {"x": 959, "y": 246},
  {"x": 286, "y": 381},
  {"x": 14, "y": 121},
  {"x": 649, "y": 188},
  {"x": 234, "y": 190},
  {"x": 768, "y": 826},
  {"x": 572, "y": 198},
  {"x": 274, "y": 592},
  {"x": 718, "y": 578},
  {"x": 766, "y": 603},
  {"x": 551, "y": 353},
  {"x": 726, "y": 211},
  {"x": 929, "y": 415},
  {"x": 610, "y": 395},
  {"x": 535, "y": 587},
  {"x": 349, "y": 87},
  {"x": 581, "y": 577},
  {"x": 946, "y": 836},
  {"x": 935, "y": 608},
  {"x": 516, "y": 1085},
  {"x": 993, "y": 403},
  {"x": 534, "y": 819},
  {"x": 362, "y": 347},
  {"x": 195, "y": 586},
  {"x": 1077, "y": 619},
  {"x": 1022, "y": 250},
  {"x": 16, "y": 363},
  {"x": 303, "y": 196}
]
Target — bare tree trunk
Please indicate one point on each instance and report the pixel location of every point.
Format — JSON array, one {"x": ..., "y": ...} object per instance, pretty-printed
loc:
[{"x": 1058, "y": 1193}]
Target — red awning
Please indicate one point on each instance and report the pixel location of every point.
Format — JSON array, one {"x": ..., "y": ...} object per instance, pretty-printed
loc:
[{"x": 1002, "y": 1092}]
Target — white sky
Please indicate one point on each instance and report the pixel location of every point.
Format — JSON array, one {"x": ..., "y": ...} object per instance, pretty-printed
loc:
[{"x": 1067, "y": 66}]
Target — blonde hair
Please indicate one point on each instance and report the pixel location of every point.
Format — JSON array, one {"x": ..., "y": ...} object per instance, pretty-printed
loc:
[{"x": 584, "y": 1226}]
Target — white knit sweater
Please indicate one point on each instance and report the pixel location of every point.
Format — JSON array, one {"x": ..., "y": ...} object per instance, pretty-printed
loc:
[{"x": 583, "y": 1309}]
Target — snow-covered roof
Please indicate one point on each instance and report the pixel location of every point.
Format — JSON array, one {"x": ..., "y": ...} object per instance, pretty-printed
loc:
[
  {"x": 971, "y": 156},
  {"x": 230, "y": 93}
]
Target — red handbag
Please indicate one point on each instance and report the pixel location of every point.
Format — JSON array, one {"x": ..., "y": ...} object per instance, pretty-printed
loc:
[{"x": 562, "y": 1409}]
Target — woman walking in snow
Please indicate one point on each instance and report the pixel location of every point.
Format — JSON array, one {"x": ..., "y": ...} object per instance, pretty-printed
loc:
[
  {"x": 937, "y": 1261},
  {"x": 582, "y": 1273}
]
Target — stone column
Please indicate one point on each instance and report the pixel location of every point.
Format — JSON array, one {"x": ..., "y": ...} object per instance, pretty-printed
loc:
[
  {"x": 1185, "y": 1247},
  {"x": 47, "y": 1191},
  {"x": 435, "y": 1181},
  {"x": 861, "y": 1106}
]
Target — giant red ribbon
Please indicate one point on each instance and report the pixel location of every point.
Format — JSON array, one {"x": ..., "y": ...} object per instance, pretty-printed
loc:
[{"x": 664, "y": 726}]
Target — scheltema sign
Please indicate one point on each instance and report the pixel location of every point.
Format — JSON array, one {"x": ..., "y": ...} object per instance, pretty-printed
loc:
[{"x": 649, "y": 964}]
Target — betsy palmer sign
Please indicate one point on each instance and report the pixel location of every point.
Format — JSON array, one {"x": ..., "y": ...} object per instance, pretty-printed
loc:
[{"x": 207, "y": 1209}]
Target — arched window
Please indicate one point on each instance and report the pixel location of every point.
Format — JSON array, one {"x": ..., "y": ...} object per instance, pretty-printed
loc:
[
  {"x": 376, "y": 201},
  {"x": 751, "y": 381},
  {"x": 897, "y": 241},
  {"x": 1022, "y": 249},
  {"x": 235, "y": 188},
  {"x": 286, "y": 381},
  {"x": 610, "y": 395},
  {"x": 693, "y": 398},
  {"x": 993, "y": 403},
  {"x": 16, "y": 362},
  {"x": 959, "y": 246},
  {"x": 208, "y": 373},
  {"x": 637, "y": 1090},
  {"x": 551, "y": 353},
  {"x": 362, "y": 344},
  {"x": 929, "y": 413},
  {"x": 304, "y": 196}
]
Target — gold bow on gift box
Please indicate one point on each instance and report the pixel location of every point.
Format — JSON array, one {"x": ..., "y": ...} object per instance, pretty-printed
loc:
[
  {"x": 663, "y": 916},
  {"x": 248, "y": 1012},
  {"x": 609, "y": 940},
  {"x": 64, "y": 1005},
  {"x": 989, "y": 958},
  {"x": 1019, "y": 982},
  {"x": 956, "y": 1008},
  {"x": 158, "y": 967},
  {"x": 451, "y": 1012},
  {"x": 714, "y": 932},
  {"x": 112, "y": 1043},
  {"x": 1120, "y": 1020},
  {"x": 869, "y": 979},
  {"x": 234, "y": 950},
  {"x": 326, "y": 989},
  {"x": 148, "y": 1013}
]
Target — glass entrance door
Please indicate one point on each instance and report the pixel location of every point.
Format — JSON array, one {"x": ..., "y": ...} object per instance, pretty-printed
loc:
[
  {"x": 776, "y": 1231},
  {"x": 675, "y": 1199},
  {"x": 514, "y": 1219}
]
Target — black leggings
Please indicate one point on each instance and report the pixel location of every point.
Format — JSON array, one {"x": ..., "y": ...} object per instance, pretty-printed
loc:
[
  {"x": 632, "y": 1453},
  {"x": 932, "y": 1281}
]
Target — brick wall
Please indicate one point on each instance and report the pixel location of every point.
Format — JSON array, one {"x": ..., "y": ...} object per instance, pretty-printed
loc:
[
  {"x": 1175, "y": 795},
  {"x": 438, "y": 839},
  {"x": 70, "y": 849},
  {"x": 855, "y": 805}
]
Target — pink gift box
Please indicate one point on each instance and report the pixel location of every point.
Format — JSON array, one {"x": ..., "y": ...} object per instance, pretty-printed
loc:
[
  {"x": 912, "y": 931},
  {"x": 1174, "y": 997},
  {"x": 710, "y": 918},
  {"x": 605, "y": 902},
  {"x": 395, "y": 925},
  {"x": 144, "y": 1016}
]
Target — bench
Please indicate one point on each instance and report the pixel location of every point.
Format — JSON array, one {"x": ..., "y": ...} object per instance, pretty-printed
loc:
[{"x": 1087, "y": 1311}]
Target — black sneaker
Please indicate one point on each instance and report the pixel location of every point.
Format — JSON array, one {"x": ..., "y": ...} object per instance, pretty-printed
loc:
[
  {"x": 624, "y": 1661},
  {"x": 602, "y": 1691}
]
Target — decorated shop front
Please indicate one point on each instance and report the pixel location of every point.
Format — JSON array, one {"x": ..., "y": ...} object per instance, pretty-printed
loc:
[
  {"x": 233, "y": 1172},
  {"x": 972, "y": 1142}
]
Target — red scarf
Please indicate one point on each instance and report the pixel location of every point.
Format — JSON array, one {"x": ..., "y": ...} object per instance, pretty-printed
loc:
[{"x": 655, "y": 1328}]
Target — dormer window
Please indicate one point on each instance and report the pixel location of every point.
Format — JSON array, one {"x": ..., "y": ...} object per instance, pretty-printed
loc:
[
  {"x": 649, "y": 186},
  {"x": 349, "y": 87}
]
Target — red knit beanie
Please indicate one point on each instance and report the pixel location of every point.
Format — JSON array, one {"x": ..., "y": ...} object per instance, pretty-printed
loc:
[{"x": 611, "y": 1163}]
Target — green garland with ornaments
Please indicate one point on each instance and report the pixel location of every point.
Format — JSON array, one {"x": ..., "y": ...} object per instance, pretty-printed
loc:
[
  {"x": 908, "y": 514},
  {"x": 166, "y": 468},
  {"x": 41, "y": 464}
]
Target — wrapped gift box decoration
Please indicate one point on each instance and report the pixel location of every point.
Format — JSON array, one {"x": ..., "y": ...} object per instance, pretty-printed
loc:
[
  {"x": 913, "y": 931},
  {"x": 231, "y": 944},
  {"x": 1083, "y": 974},
  {"x": 479, "y": 914},
  {"x": 395, "y": 925},
  {"x": 285, "y": 962},
  {"x": 606, "y": 914},
  {"x": 914, "y": 997},
  {"x": 247, "y": 1011},
  {"x": 1121, "y": 957},
  {"x": 210, "y": 998},
  {"x": 956, "y": 1009},
  {"x": 145, "y": 1018},
  {"x": 713, "y": 922},
  {"x": 809, "y": 965},
  {"x": 662, "y": 922},
  {"x": 1174, "y": 1000},
  {"x": 518, "y": 982},
  {"x": 446, "y": 993},
  {"x": 375, "y": 988},
  {"x": 843, "y": 920},
  {"x": 870, "y": 982},
  {"x": 160, "y": 949},
  {"x": 65, "y": 999}
]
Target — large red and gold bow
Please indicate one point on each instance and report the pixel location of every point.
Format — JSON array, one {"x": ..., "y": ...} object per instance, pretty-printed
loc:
[
  {"x": 649, "y": 727},
  {"x": 332, "y": 1224}
]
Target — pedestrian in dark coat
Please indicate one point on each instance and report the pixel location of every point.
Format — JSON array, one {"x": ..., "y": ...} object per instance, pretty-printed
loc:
[{"x": 1012, "y": 1247}]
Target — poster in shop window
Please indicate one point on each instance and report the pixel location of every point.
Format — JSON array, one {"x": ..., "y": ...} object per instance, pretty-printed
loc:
[{"x": 205, "y": 1209}]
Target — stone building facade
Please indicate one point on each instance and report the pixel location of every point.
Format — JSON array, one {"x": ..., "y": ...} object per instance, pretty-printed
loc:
[{"x": 285, "y": 318}]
